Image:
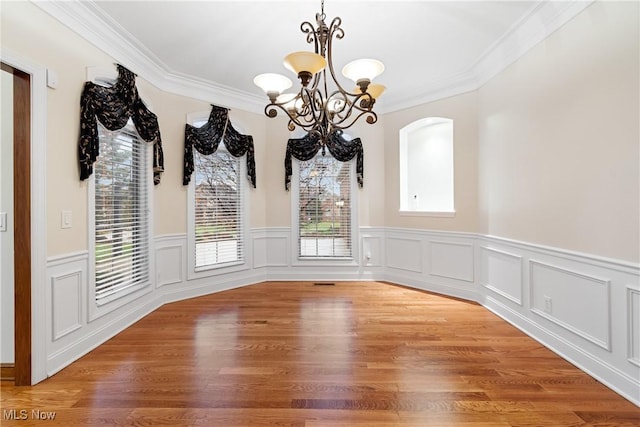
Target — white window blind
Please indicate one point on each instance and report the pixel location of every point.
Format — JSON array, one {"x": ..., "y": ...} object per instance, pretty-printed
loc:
[
  {"x": 218, "y": 209},
  {"x": 121, "y": 175},
  {"x": 324, "y": 208}
]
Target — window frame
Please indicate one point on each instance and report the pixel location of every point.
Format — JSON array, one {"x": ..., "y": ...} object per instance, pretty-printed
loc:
[
  {"x": 129, "y": 294},
  {"x": 228, "y": 267},
  {"x": 297, "y": 260}
]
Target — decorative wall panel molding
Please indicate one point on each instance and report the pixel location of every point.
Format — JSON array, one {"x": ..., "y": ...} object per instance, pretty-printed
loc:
[
  {"x": 404, "y": 254},
  {"x": 66, "y": 303},
  {"x": 451, "y": 260},
  {"x": 572, "y": 300},
  {"x": 372, "y": 251},
  {"x": 67, "y": 259},
  {"x": 65, "y": 297},
  {"x": 271, "y": 247},
  {"x": 597, "y": 339},
  {"x": 169, "y": 264},
  {"x": 260, "y": 244},
  {"x": 501, "y": 272},
  {"x": 633, "y": 321}
]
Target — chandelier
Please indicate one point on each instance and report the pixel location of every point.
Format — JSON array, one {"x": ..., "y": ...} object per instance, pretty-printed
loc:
[{"x": 322, "y": 107}]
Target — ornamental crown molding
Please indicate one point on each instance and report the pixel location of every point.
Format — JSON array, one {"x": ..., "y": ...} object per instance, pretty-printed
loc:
[{"x": 88, "y": 20}]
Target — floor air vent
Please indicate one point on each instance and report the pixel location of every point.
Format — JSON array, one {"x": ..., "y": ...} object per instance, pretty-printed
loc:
[{"x": 324, "y": 284}]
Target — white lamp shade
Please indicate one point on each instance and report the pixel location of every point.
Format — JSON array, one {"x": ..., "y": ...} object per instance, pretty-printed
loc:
[
  {"x": 305, "y": 61},
  {"x": 272, "y": 83},
  {"x": 363, "y": 69}
]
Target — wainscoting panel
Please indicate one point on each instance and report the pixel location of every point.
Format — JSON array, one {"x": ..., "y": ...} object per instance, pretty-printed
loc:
[
  {"x": 271, "y": 247},
  {"x": 372, "y": 251},
  {"x": 585, "y": 308},
  {"x": 70, "y": 334},
  {"x": 404, "y": 254},
  {"x": 436, "y": 261},
  {"x": 169, "y": 264},
  {"x": 572, "y": 300},
  {"x": 451, "y": 260},
  {"x": 260, "y": 251},
  {"x": 633, "y": 316},
  {"x": 66, "y": 298},
  {"x": 277, "y": 250},
  {"x": 372, "y": 246},
  {"x": 501, "y": 272}
]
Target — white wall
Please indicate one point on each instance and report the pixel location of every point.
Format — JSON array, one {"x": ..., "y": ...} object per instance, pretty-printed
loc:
[
  {"x": 462, "y": 109},
  {"x": 6, "y": 207},
  {"x": 558, "y": 139}
]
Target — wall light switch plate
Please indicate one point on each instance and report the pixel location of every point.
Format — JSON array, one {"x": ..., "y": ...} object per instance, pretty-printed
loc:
[
  {"x": 3, "y": 221},
  {"x": 66, "y": 219},
  {"x": 52, "y": 78}
]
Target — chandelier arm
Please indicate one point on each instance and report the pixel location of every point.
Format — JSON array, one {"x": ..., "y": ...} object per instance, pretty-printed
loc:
[
  {"x": 360, "y": 101},
  {"x": 350, "y": 106},
  {"x": 271, "y": 112},
  {"x": 316, "y": 80},
  {"x": 307, "y": 28},
  {"x": 313, "y": 36},
  {"x": 364, "y": 102},
  {"x": 337, "y": 32},
  {"x": 316, "y": 106},
  {"x": 371, "y": 118},
  {"x": 311, "y": 114}
]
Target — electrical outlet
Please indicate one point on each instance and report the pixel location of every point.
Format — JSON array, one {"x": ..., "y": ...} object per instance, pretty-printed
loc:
[
  {"x": 3, "y": 221},
  {"x": 547, "y": 304}
]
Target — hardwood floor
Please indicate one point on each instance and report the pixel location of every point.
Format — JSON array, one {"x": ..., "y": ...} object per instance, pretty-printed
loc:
[{"x": 293, "y": 354}]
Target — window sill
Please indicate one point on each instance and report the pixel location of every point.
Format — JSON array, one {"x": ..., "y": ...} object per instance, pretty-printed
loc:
[
  {"x": 325, "y": 261},
  {"x": 215, "y": 270},
  {"x": 447, "y": 214},
  {"x": 217, "y": 266}
]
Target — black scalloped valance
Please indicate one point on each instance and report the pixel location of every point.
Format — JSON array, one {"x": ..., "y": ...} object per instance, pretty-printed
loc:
[
  {"x": 206, "y": 139},
  {"x": 340, "y": 148},
  {"x": 113, "y": 106}
]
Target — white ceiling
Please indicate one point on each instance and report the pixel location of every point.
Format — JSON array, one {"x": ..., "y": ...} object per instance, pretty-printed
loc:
[{"x": 430, "y": 48}]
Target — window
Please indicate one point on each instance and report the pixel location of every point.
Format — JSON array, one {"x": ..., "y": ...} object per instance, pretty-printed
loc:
[
  {"x": 217, "y": 212},
  {"x": 217, "y": 209},
  {"x": 121, "y": 182},
  {"x": 324, "y": 206},
  {"x": 426, "y": 167}
]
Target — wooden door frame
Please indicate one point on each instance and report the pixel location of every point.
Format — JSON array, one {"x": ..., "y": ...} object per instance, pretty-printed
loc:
[
  {"x": 22, "y": 223},
  {"x": 30, "y": 93}
]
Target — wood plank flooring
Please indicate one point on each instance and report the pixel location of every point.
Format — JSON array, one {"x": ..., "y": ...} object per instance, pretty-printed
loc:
[{"x": 293, "y": 354}]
